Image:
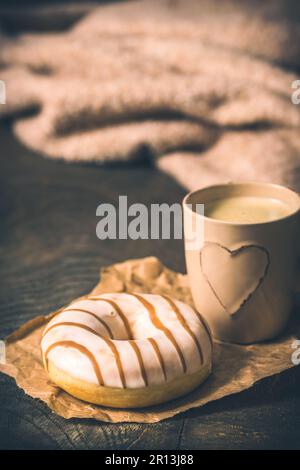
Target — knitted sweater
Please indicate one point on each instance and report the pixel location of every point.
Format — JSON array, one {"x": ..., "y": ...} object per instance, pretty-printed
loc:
[{"x": 204, "y": 86}]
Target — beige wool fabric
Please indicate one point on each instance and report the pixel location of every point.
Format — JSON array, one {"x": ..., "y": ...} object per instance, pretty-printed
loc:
[{"x": 204, "y": 86}]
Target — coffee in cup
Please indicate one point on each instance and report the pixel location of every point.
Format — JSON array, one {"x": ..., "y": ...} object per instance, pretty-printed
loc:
[{"x": 242, "y": 271}]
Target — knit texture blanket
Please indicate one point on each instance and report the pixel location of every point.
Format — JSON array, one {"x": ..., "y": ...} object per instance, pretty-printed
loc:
[{"x": 203, "y": 87}]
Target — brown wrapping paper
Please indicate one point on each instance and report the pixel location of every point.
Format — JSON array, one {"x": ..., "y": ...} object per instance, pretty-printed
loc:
[{"x": 235, "y": 368}]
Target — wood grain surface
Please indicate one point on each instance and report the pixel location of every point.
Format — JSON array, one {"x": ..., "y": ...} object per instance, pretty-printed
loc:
[{"x": 49, "y": 253}]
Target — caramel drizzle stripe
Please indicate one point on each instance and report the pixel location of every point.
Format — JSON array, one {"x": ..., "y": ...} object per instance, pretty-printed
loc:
[
  {"x": 201, "y": 319},
  {"x": 184, "y": 324},
  {"x": 83, "y": 350},
  {"x": 159, "y": 355},
  {"x": 140, "y": 359},
  {"x": 109, "y": 343},
  {"x": 70, "y": 323},
  {"x": 119, "y": 311},
  {"x": 118, "y": 361},
  {"x": 158, "y": 324},
  {"x": 110, "y": 333}
]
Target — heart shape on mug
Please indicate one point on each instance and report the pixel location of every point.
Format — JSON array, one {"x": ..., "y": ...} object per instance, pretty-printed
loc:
[{"x": 234, "y": 275}]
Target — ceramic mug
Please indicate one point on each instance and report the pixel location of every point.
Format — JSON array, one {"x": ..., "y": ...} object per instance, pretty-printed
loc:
[{"x": 242, "y": 275}]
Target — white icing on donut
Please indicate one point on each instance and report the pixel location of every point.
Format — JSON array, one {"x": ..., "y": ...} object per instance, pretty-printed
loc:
[{"x": 127, "y": 340}]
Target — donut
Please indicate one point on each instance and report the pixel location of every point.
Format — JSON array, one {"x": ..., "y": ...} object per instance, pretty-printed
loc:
[{"x": 127, "y": 350}]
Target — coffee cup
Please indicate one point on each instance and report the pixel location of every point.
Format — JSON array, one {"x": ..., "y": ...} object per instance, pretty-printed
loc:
[{"x": 241, "y": 257}]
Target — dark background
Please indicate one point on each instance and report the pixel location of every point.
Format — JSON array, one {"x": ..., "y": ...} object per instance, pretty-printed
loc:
[{"x": 49, "y": 254}]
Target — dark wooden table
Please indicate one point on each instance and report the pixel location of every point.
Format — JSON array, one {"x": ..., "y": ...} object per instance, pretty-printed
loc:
[{"x": 49, "y": 253}]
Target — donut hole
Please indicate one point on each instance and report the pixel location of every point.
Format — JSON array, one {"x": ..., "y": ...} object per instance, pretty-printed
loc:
[
  {"x": 118, "y": 316},
  {"x": 136, "y": 326}
]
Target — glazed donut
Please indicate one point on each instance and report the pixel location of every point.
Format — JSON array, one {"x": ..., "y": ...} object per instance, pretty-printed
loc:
[{"x": 127, "y": 350}]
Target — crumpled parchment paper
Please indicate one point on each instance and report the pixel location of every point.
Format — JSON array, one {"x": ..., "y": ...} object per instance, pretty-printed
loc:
[{"x": 235, "y": 368}]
